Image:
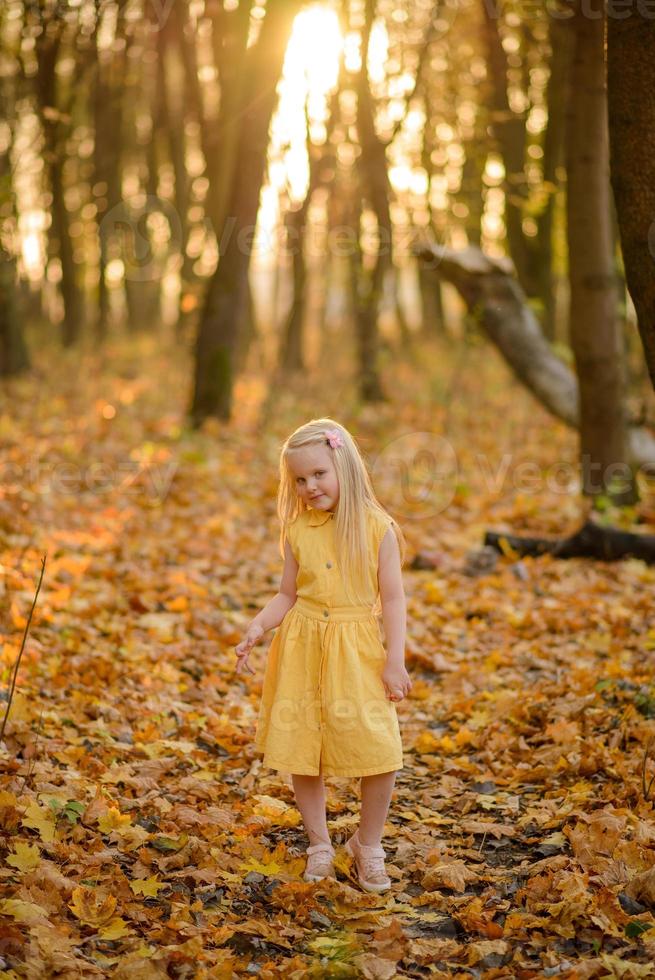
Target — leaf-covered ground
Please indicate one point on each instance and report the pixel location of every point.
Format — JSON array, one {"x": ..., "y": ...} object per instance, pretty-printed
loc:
[{"x": 142, "y": 837}]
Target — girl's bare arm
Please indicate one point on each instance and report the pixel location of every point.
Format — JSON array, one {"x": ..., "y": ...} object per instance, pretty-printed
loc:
[
  {"x": 392, "y": 598},
  {"x": 276, "y": 609}
]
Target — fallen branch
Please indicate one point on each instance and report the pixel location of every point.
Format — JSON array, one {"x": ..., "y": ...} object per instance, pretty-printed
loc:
[
  {"x": 20, "y": 652},
  {"x": 590, "y": 541}
]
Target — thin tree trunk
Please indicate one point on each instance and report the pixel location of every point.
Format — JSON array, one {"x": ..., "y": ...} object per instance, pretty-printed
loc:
[
  {"x": 631, "y": 100},
  {"x": 556, "y": 99},
  {"x": 367, "y": 291},
  {"x": 432, "y": 312},
  {"x": 47, "y": 48},
  {"x": 14, "y": 356},
  {"x": 108, "y": 125},
  {"x": 290, "y": 356},
  {"x": 595, "y": 335},
  {"x": 509, "y": 130}
]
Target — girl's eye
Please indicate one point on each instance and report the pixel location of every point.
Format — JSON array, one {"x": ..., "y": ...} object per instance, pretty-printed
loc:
[{"x": 317, "y": 473}]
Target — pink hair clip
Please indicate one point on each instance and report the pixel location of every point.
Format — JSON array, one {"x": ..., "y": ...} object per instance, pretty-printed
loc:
[{"x": 334, "y": 438}]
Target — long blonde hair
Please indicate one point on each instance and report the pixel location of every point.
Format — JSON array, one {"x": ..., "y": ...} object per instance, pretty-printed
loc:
[{"x": 356, "y": 497}]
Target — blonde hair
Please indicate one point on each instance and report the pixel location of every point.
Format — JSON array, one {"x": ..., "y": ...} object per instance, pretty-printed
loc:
[{"x": 356, "y": 497}]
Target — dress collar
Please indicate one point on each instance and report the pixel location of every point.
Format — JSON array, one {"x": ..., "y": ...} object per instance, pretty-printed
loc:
[{"x": 318, "y": 517}]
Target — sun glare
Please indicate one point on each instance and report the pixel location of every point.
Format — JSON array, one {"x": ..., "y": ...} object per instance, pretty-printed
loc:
[{"x": 310, "y": 72}]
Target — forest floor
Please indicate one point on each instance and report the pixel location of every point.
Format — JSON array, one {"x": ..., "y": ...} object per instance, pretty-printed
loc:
[{"x": 143, "y": 838}]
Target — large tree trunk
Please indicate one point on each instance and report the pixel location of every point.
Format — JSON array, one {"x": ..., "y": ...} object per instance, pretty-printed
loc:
[
  {"x": 227, "y": 294},
  {"x": 631, "y": 100},
  {"x": 595, "y": 334},
  {"x": 493, "y": 295}
]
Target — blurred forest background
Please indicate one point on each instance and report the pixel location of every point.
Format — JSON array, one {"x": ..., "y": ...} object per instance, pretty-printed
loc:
[
  {"x": 255, "y": 184},
  {"x": 432, "y": 221}
]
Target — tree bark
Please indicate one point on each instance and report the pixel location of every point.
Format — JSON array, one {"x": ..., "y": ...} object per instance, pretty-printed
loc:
[
  {"x": 593, "y": 315},
  {"x": 368, "y": 285},
  {"x": 55, "y": 126},
  {"x": 227, "y": 293},
  {"x": 631, "y": 103},
  {"x": 556, "y": 99},
  {"x": 509, "y": 130},
  {"x": 14, "y": 356}
]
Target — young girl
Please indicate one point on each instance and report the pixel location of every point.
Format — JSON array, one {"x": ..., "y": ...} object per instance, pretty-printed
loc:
[{"x": 329, "y": 690}]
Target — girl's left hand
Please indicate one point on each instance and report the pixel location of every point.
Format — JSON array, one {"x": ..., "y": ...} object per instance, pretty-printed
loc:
[{"x": 397, "y": 682}]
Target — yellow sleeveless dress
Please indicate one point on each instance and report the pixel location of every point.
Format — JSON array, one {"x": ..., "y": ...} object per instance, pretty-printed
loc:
[{"x": 324, "y": 708}]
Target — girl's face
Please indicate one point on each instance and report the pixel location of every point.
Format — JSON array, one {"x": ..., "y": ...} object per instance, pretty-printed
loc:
[{"x": 315, "y": 476}]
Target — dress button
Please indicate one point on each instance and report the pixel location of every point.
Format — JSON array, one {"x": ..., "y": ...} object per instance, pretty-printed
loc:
[
  {"x": 328, "y": 564},
  {"x": 325, "y": 612}
]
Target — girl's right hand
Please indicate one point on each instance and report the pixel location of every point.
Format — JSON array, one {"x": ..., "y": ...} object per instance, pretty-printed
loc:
[{"x": 243, "y": 649}]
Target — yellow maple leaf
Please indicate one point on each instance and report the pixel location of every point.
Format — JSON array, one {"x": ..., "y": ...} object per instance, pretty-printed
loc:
[
  {"x": 147, "y": 886},
  {"x": 464, "y": 736},
  {"x": 270, "y": 869},
  {"x": 426, "y": 743},
  {"x": 25, "y": 912},
  {"x": 114, "y": 821},
  {"x": 277, "y": 810},
  {"x": 38, "y": 818},
  {"x": 91, "y": 908},
  {"x": 26, "y": 857},
  {"x": 507, "y": 549},
  {"x": 115, "y": 929}
]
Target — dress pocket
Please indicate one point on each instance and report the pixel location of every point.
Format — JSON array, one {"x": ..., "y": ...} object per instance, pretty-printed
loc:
[{"x": 372, "y": 647}]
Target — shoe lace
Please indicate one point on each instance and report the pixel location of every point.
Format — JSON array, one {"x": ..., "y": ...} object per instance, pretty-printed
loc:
[
  {"x": 371, "y": 862},
  {"x": 320, "y": 860},
  {"x": 373, "y": 868}
]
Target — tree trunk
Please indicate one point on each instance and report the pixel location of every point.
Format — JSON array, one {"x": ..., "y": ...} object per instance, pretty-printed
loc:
[
  {"x": 14, "y": 357},
  {"x": 54, "y": 129},
  {"x": 108, "y": 126},
  {"x": 432, "y": 312},
  {"x": 372, "y": 164},
  {"x": 560, "y": 36},
  {"x": 594, "y": 328},
  {"x": 509, "y": 130},
  {"x": 631, "y": 101},
  {"x": 227, "y": 294},
  {"x": 290, "y": 356},
  {"x": 496, "y": 299}
]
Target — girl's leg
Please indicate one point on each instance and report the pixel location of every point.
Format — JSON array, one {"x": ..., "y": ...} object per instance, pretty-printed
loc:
[
  {"x": 310, "y": 799},
  {"x": 376, "y": 797}
]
